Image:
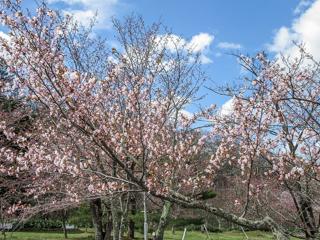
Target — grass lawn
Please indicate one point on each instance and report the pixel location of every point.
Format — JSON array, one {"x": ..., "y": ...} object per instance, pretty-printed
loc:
[
  {"x": 234, "y": 235},
  {"x": 48, "y": 236}
]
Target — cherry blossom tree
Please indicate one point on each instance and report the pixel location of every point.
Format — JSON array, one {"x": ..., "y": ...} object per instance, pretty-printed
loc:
[
  {"x": 15, "y": 121},
  {"x": 154, "y": 51},
  {"x": 119, "y": 127},
  {"x": 274, "y": 129},
  {"x": 50, "y": 189},
  {"x": 93, "y": 129}
]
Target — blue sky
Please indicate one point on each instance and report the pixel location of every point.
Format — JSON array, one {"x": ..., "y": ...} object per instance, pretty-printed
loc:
[{"x": 227, "y": 26}]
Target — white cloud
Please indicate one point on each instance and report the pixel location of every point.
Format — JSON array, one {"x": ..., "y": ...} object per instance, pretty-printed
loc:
[
  {"x": 200, "y": 42},
  {"x": 186, "y": 114},
  {"x": 171, "y": 41},
  {"x": 82, "y": 16},
  {"x": 4, "y": 36},
  {"x": 229, "y": 45},
  {"x": 204, "y": 59},
  {"x": 283, "y": 38},
  {"x": 85, "y": 10},
  {"x": 305, "y": 29},
  {"x": 227, "y": 108}
]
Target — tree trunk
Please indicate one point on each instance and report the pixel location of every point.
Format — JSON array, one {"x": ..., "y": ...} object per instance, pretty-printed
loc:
[
  {"x": 219, "y": 224},
  {"x": 310, "y": 226},
  {"x": 302, "y": 200},
  {"x": 163, "y": 220},
  {"x": 133, "y": 211},
  {"x": 64, "y": 218},
  {"x": 116, "y": 218},
  {"x": 145, "y": 219},
  {"x": 96, "y": 209},
  {"x": 131, "y": 229},
  {"x": 121, "y": 226},
  {"x": 108, "y": 226}
]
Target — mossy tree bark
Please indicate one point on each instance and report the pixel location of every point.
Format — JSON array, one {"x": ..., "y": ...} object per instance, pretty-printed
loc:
[
  {"x": 116, "y": 218},
  {"x": 163, "y": 220},
  {"x": 108, "y": 225},
  {"x": 96, "y": 209},
  {"x": 265, "y": 224}
]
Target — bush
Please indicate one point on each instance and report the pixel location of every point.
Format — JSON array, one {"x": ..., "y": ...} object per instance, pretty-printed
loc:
[
  {"x": 38, "y": 223},
  {"x": 81, "y": 217}
]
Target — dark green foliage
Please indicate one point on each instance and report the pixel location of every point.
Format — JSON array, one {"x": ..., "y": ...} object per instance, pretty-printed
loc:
[
  {"x": 190, "y": 223},
  {"x": 179, "y": 223},
  {"x": 8, "y": 105},
  {"x": 81, "y": 217},
  {"x": 4, "y": 74},
  {"x": 153, "y": 219},
  {"x": 5, "y": 78},
  {"x": 206, "y": 195},
  {"x": 43, "y": 223}
]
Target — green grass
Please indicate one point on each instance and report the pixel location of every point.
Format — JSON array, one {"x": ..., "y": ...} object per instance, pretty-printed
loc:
[
  {"x": 191, "y": 235},
  {"x": 48, "y": 236},
  {"x": 233, "y": 235}
]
